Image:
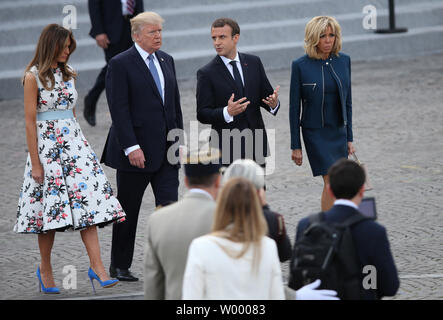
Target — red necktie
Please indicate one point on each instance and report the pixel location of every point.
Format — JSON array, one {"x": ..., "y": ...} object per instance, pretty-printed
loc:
[{"x": 130, "y": 6}]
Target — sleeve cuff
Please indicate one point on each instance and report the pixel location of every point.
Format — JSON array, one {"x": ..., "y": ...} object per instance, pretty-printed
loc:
[
  {"x": 130, "y": 149},
  {"x": 273, "y": 111},
  {"x": 228, "y": 118}
]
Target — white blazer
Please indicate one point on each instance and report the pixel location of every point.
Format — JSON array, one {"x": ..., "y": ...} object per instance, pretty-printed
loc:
[{"x": 213, "y": 274}]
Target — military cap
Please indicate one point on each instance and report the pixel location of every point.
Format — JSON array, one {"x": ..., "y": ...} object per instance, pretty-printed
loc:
[{"x": 200, "y": 162}]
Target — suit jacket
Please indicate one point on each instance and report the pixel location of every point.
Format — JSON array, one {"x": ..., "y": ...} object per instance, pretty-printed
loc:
[
  {"x": 138, "y": 113},
  {"x": 372, "y": 245},
  {"x": 215, "y": 86},
  {"x": 170, "y": 231},
  {"x": 307, "y": 85},
  {"x": 106, "y": 17},
  {"x": 277, "y": 232}
]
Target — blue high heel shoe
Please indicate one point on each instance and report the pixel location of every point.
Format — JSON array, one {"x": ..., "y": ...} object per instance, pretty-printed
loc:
[
  {"x": 105, "y": 284},
  {"x": 42, "y": 287}
]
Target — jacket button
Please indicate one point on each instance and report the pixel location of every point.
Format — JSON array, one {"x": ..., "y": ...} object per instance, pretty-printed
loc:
[{"x": 327, "y": 63}]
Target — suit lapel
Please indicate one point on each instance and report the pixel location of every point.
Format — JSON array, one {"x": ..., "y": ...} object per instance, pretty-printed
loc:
[
  {"x": 223, "y": 70},
  {"x": 247, "y": 78},
  {"x": 246, "y": 72},
  {"x": 145, "y": 71},
  {"x": 166, "y": 73}
]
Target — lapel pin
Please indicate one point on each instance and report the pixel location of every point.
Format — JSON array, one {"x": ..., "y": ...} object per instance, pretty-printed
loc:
[{"x": 162, "y": 59}]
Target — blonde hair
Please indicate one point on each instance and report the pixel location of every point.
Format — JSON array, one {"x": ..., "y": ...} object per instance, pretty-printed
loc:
[
  {"x": 314, "y": 29},
  {"x": 50, "y": 44},
  {"x": 247, "y": 169},
  {"x": 239, "y": 217},
  {"x": 144, "y": 18}
]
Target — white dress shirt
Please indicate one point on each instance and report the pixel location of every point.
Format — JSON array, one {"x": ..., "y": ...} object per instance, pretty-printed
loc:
[
  {"x": 227, "y": 62},
  {"x": 145, "y": 56},
  {"x": 213, "y": 274},
  {"x": 345, "y": 202},
  {"x": 125, "y": 7},
  {"x": 201, "y": 191}
]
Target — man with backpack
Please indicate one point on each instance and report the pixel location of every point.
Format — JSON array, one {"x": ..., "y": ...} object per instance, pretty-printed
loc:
[{"x": 347, "y": 251}]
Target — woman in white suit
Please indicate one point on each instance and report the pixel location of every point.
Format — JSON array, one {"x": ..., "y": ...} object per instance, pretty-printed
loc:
[{"x": 236, "y": 260}]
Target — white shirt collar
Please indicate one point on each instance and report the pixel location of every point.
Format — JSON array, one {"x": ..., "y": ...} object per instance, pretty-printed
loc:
[
  {"x": 345, "y": 202},
  {"x": 201, "y": 191},
  {"x": 143, "y": 53},
  {"x": 226, "y": 61}
]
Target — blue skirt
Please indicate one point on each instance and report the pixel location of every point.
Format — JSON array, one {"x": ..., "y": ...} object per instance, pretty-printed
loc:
[{"x": 324, "y": 146}]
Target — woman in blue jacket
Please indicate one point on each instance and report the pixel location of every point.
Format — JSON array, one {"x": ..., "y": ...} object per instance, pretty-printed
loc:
[{"x": 321, "y": 92}]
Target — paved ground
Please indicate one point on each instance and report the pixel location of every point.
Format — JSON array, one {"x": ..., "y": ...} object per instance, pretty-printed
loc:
[{"x": 398, "y": 130}]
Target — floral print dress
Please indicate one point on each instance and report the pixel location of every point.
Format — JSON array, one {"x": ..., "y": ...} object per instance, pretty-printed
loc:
[{"x": 75, "y": 193}]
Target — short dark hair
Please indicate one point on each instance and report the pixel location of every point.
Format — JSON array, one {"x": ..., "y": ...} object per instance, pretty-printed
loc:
[
  {"x": 221, "y": 22},
  {"x": 346, "y": 178},
  {"x": 202, "y": 181}
]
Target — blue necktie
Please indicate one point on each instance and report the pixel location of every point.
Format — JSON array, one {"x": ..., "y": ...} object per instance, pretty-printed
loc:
[{"x": 154, "y": 74}]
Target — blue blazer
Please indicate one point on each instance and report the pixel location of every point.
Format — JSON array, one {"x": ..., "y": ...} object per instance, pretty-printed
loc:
[
  {"x": 106, "y": 17},
  {"x": 372, "y": 245},
  {"x": 138, "y": 113},
  {"x": 307, "y": 85}
]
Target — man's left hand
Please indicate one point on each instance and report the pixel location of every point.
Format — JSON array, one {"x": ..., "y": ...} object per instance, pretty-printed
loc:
[{"x": 272, "y": 100}]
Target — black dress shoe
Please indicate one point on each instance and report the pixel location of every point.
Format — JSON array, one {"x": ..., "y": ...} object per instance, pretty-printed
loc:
[
  {"x": 89, "y": 111},
  {"x": 122, "y": 274}
]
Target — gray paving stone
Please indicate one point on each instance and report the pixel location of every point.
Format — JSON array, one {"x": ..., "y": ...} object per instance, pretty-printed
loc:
[{"x": 398, "y": 133}]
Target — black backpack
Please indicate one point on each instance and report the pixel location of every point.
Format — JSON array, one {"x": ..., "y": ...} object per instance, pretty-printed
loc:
[{"x": 326, "y": 251}]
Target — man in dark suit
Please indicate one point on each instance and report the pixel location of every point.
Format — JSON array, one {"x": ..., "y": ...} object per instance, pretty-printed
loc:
[
  {"x": 230, "y": 91},
  {"x": 111, "y": 30},
  {"x": 144, "y": 102},
  {"x": 346, "y": 185}
]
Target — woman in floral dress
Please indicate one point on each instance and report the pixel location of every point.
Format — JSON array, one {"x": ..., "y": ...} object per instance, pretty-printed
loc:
[{"x": 64, "y": 185}]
